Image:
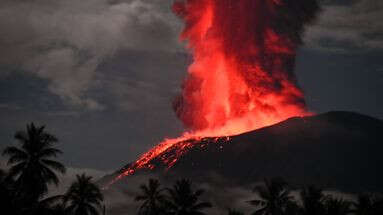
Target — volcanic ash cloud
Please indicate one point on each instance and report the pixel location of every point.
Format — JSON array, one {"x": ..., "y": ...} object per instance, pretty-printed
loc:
[{"x": 242, "y": 75}]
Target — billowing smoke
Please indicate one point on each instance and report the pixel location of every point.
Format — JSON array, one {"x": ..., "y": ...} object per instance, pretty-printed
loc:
[{"x": 242, "y": 75}]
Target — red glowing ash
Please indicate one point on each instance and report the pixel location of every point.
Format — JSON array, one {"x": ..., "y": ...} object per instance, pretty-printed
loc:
[{"x": 242, "y": 74}]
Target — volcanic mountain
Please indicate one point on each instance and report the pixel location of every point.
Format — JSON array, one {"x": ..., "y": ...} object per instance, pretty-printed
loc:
[{"x": 337, "y": 149}]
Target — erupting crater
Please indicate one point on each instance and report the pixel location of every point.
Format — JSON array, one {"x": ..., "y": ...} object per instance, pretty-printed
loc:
[{"x": 242, "y": 75}]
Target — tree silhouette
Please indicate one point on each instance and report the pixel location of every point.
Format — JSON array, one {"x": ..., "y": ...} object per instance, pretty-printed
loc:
[
  {"x": 32, "y": 166},
  {"x": 51, "y": 205},
  {"x": 6, "y": 193},
  {"x": 292, "y": 208},
  {"x": 152, "y": 198},
  {"x": 83, "y": 197},
  {"x": 368, "y": 204},
  {"x": 4, "y": 187},
  {"x": 184, "y": 201},
  {"x": 2, "y": 175},
  {"x": 313, "y": 201},
  {"x": 274, "y": 198},
  {"x": 337, "y": 207},
  {"x": 234, "y": 212}
]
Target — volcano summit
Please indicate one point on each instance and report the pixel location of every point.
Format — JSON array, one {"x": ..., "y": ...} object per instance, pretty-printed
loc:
[{"x": 335, "y": 149}]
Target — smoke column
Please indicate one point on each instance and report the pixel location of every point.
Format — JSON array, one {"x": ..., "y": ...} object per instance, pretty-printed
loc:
[{"x": 242, "y": 75}]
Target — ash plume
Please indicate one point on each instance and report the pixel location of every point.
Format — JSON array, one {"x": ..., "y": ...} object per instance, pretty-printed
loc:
[{"x": 242, "y": 75}]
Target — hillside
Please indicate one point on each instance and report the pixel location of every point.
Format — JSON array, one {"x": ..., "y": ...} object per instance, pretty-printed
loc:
[{"x": 336, "y": 149}]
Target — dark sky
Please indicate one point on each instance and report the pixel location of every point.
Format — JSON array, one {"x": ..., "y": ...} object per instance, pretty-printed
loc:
[{"x": 101, "y": 74}]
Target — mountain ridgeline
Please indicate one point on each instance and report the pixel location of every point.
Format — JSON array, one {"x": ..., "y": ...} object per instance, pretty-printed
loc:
[{"x": 340, "y": 150}]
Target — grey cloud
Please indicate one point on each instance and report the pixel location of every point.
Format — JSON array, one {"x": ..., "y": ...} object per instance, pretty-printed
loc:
[
  {"x": 65, "y": 41},
  {"x": 345, "y": 27}
]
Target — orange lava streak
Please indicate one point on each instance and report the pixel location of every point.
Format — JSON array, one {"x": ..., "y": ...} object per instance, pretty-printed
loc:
[{"x": 143, "y": 161}]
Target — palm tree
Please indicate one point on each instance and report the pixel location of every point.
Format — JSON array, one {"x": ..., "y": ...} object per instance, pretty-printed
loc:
[
  {"x": 337, "y": 207},
  {"x": 83, "y": 197},
  {"x": 6, "y": 197},
  {"x": 51, "y": 205},
  {"x": 32, "y": 166},
  {"x": 152, "y": 197},
  {"x": 234, "y": 212},
  {"x": 368, "y": 204},
  {"x": 184, "y": 201},
  {"x": 274, "y": 198},
  {"x": 313, "y": 201},
  {"x": 3, "y": 183},
  {"x": 292, "y": 208},
  {"x": 2, "y": 174}
]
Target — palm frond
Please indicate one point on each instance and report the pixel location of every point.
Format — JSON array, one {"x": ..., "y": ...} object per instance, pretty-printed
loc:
[
  {"x": 21, "y": 136},
  {"x": 52, "y": 200},
  {"x": 49, "y": 152},
  {"x": 50, "y": 176},
  {"x": 257, "y": 202},
  {"x": 260, "y": 211},
  {"x": 16, "y": 169},
  {"x": 202, "y": 205},
  {"x": 54, "y": 165},
  {"x": 92, "y": 209},
  {"x": 15, "y": 154}
]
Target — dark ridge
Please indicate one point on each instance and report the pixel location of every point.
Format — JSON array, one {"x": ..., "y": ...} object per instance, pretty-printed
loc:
[{"x": 341, "y": 150}]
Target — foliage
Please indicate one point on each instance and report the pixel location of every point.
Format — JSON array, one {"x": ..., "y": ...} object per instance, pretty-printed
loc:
[
  {"x": 184, "y": 200},
  {"x": 32, "y": 165},
  {"x": 234, "y": 212},
  {"x": 337, "y": 207},
  {"x": 152, "y": 197},
  {"x": 83, "y": 197},
  {"x": 179, "y": 199},
  {"x": 368, "y": 204},
  {"x": 313, "y": 201},
  {"x": 274, "y": 198}
]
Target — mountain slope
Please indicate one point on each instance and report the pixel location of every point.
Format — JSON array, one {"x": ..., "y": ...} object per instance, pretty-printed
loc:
[{"x": 335, "y": 149}]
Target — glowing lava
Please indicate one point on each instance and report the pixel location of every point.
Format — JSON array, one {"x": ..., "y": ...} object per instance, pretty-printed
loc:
[{"x": 242, "y": 75}]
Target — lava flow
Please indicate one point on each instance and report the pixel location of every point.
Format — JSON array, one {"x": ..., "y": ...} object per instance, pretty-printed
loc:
[{"x": 242, "y": 75}]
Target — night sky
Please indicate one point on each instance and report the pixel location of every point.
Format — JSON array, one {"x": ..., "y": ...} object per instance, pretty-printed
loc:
[{"x": 101, "y": 74}]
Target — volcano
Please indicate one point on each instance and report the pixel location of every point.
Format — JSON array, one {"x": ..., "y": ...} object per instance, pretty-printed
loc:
[
  {"x": 244, "y": 112},
  {"x": 337, "y": 149}
]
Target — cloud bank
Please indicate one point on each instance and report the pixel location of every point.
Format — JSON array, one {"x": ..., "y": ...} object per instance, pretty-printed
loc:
[
  {"x": 65, "y": 41},
  {"x": 348, "y": 26}
]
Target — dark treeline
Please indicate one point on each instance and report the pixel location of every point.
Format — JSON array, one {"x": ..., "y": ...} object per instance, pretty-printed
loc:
[
  {"x": 273, "y": 197},
  {"x": 32, "y": 167},
  {"x": 178, "y": 199}
]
